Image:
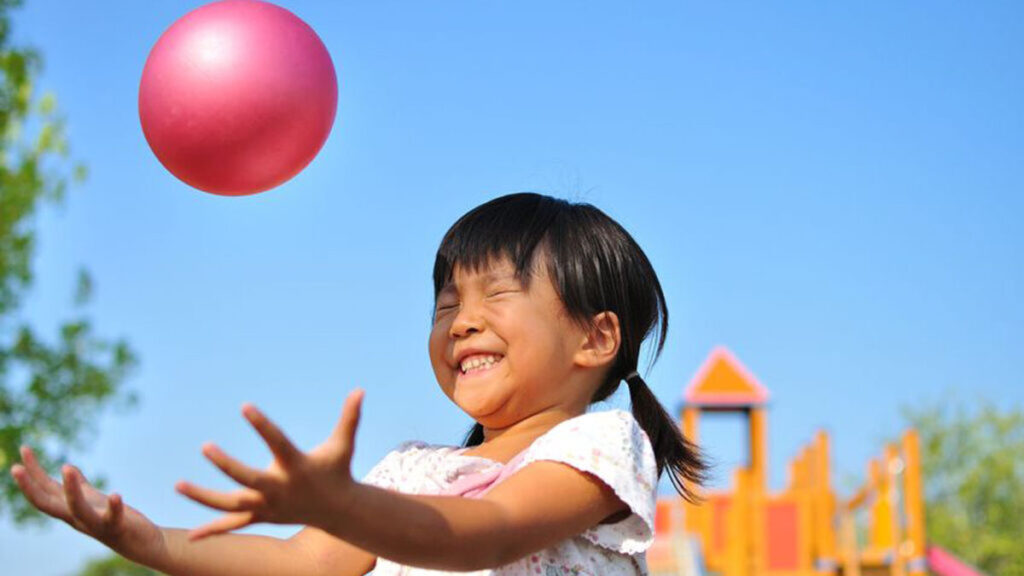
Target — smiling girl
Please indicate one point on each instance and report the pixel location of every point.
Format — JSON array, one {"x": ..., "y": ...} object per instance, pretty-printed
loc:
[{"x": 541, "y": 309}]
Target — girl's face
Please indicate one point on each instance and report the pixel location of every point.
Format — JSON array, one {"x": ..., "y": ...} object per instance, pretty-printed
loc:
[{"x": 503, "y": 350}]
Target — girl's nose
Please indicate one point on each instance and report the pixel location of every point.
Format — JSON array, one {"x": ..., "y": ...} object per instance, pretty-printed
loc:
[{"x": 466, "y": 322}]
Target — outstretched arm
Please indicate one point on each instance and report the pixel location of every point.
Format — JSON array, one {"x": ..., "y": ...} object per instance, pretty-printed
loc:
[
  {"x": 538, "y": 507},
  {"x": 128, "y": 532},
  {"x": 311, "y": 552}
]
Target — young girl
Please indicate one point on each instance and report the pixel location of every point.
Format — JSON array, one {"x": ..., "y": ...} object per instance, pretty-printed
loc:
[{"x": 541, "y": 308}]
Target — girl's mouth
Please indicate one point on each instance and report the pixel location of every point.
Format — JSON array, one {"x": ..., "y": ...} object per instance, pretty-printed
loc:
[{"x": 478, "y": 363}]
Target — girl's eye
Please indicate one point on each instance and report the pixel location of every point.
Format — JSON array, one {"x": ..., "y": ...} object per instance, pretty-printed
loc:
[{"x": 500, "y": 292}]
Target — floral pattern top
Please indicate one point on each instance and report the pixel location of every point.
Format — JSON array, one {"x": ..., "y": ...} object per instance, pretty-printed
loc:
[{"x": 608, "y": 445}]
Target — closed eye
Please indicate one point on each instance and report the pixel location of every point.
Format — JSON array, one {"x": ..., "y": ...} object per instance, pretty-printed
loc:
[{"x": 445, "y": 307}]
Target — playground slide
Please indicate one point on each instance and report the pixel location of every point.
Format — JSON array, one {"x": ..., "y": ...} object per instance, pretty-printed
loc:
[{"x": 942, "y": 563}]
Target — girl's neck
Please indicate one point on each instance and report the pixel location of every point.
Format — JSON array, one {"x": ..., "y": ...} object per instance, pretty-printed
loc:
[{"x": 502, "y": 444}]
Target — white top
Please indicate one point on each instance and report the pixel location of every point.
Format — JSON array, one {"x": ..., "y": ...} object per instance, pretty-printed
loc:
[{"x": 608, "y": 445}]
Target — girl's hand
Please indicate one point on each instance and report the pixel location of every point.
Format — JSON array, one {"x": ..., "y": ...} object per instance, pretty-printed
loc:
[
  {"x": 297, "y": 487},
  {"x": 86, "y": 509}
]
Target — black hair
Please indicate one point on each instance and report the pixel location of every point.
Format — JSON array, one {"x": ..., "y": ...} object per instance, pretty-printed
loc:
[{"x": 595, "y": 266}]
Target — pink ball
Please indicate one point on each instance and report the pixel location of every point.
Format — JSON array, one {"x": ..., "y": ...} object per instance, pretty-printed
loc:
[{"x": 237, "y": 97}]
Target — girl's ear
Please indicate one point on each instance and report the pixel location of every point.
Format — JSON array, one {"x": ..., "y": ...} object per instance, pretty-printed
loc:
[{"x": 601, "y": 345}]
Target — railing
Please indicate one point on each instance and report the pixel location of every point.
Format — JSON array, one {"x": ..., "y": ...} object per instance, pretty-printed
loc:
[{"x": 892, "y": 542}]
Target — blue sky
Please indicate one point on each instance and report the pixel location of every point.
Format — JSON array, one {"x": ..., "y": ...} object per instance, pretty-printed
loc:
[{"x": 832, "y": 191}]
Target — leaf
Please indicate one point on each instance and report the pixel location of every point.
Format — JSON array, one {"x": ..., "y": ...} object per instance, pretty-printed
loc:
[
  {"x": 83, "y": 288},
  {"x": 52, "y": 388}
]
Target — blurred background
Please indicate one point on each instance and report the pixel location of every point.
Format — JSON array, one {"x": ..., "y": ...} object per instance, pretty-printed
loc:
[{"x": 833, "y": 191}]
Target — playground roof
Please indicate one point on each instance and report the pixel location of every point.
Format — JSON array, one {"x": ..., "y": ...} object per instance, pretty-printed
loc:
[{"x": 722, "y": 381}]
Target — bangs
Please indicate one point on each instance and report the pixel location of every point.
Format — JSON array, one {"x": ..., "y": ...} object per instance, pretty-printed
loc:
[{"x": 511, "y": 227}]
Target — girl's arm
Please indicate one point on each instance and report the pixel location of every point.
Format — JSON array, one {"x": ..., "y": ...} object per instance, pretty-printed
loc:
[
  {"x": 311, "y": 552},
  {"x": 536, "y": 508},
  {"x": 539, "y": 506},
  {"x": 128, "y": 532}
]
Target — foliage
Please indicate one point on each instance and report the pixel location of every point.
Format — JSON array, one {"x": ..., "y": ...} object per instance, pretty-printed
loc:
[
  {"x": 973, "y": 465},
  {"x": 50, "y": 392},
  {"x": 115, "y": 565}
]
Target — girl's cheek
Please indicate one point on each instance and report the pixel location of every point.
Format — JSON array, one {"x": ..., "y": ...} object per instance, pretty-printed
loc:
[
  {"x": 438, "y": 340},
  {"x": 441, "y": 327}
]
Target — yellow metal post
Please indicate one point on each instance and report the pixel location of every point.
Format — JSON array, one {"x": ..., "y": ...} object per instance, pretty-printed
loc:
[
  {"x": 824, "y": 506},
  {"x": 758, "y": 422},
  {"x": 881, "y": 509},
  {"x": 893, "y": 469},
  {"x": 913, "y": 507}
]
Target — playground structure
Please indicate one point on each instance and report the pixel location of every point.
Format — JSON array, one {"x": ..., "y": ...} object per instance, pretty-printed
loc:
[{"x": 806, "y": 529}]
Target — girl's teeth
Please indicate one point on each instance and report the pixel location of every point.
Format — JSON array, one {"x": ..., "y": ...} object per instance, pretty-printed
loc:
[{"x": 478, "y": 362}]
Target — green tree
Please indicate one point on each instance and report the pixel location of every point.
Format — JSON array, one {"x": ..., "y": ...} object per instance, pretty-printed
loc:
[
  {"x": 50, "y": 389},
  {"x": 972, "y": 460},
  {"x": 114, "y": 565}
]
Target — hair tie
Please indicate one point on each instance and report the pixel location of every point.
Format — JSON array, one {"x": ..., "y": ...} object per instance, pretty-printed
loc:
[{"x": 633, "y": 378}]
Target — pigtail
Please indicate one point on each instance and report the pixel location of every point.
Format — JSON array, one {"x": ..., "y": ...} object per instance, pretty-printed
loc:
[
  {"x": 475, "y": 437},
  {"x": 672, "y": 451}
]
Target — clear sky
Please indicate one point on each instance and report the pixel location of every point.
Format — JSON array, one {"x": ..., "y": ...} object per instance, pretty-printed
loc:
[{"x": 832, "y": 190}]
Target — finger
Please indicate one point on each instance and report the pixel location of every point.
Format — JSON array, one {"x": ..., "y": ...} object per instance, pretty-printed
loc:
[
  {"x": 222, "y": 525},
  {"x": 115, "y": 511},
  {"x": 345, "y": 430},
  {"x": 93, "y": 497},
  {"x": 37, "y": 496},
  {"x": 235, "y": 469},
  {"x": 80, "y": 510},
  {"x": 279, "y": 444},
  {"x": 238, "y": 501},
  {"x": 41, "y": 478},
  {"x": 28, "y": 486}
]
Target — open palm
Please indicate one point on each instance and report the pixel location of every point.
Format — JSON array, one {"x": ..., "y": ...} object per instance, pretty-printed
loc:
[
  {"x": 104, "y": 517},
  {"x": 296, "y": 488}
]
